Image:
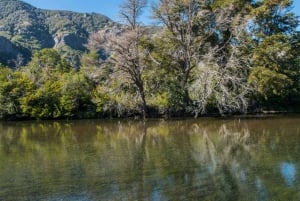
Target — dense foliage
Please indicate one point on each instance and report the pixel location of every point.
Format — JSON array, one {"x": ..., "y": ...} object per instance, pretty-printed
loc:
[{"x": 206, "y": 57}]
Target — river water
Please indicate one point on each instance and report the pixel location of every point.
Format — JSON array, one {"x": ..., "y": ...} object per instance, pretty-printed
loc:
[{"x": 193, "y": 159}]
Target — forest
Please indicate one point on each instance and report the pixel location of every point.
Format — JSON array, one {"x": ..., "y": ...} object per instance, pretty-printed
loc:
[{"x": 203, "y": 57}]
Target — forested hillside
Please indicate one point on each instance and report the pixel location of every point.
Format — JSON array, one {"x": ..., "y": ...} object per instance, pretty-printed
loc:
[
  {"x": 25, "y": 29},
  {"x": 205, "y": 57}
]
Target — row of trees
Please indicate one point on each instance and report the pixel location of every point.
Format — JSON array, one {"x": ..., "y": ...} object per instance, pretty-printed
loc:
[{"x": 204, "y": 56}]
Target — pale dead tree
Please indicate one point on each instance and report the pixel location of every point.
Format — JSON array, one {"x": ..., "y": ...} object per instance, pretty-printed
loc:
[
  {"x": 188, "y": 25},
  {"x": 131, "y": 11},
  {"x": 222, "y": 148},
  {"x": 122, "y": 44},
  {"x": 223, "y": 71}
]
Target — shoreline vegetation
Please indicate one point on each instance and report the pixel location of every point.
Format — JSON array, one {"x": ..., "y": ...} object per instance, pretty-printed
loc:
[{"x": 207, "y": 58}]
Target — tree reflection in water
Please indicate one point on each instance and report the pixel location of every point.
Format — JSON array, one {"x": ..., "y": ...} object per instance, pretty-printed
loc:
[{"x": 157, "y": 160}]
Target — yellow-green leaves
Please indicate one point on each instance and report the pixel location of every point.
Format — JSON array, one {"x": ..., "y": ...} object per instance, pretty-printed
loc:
[{"x": 269, "y": 83}]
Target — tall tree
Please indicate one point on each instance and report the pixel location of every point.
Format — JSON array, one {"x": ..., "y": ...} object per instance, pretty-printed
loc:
[
  {"x": 131, "y": 10},
  {"x": 275, "y": 69},
  {"x": 187, "y": 24},
  {"x": 209, "y": 52},
  {"x": 123, "y": 47},
  {"x": 221, "y": 76},
  {"x": 273, "y": 17},
  {"x": 44, "y": 64}
]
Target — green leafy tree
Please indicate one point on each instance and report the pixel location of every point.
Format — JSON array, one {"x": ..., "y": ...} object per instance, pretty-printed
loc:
[
  {"x": 273, "y": 17},
  {"x": 76, "y": 96},
  {"x": 58, "y": 91},
  {"x": 13, "y": 86},
  {"x": 44, "y": 64},
  {"x": 43, "y": 102},
  {"x": 275, "y": 70}
]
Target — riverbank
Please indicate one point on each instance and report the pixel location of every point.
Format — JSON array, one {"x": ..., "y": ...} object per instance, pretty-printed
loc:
[{"x": 138, "y": 117}]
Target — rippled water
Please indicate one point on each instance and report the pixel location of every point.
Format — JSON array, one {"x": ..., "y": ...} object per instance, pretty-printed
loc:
[{"x": 203, "y": 159}]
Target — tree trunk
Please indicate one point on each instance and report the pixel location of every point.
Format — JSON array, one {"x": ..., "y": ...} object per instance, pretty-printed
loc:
[
  {"x": 141, "y": 91},
  {"x": 183, "y": 86}
]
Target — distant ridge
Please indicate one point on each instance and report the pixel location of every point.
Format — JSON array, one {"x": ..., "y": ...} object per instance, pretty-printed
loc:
[{"x": 25, "y": 29}]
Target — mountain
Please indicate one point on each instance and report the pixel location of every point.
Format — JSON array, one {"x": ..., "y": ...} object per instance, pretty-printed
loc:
[{"x": 25, "y": 29}]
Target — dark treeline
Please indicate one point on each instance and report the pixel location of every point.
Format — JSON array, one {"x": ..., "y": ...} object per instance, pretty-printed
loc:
[{"x": 205, "y": 56}]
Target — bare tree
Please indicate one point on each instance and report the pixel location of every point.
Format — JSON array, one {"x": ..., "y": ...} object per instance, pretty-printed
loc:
[
  {"x": 207, "y": 54},
  {"x": 131, "y": 10},
  {"x": 223, "y": 71},
  {"x": 122, "y": 44}
]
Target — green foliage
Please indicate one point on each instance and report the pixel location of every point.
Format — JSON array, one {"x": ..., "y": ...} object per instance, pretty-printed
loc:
[
  {"x": 42, "y": 103},
  {"x": 271, "y": 85},
  {"x": 49, "y": 58},
  {"x": 271, "y": 75},
  {"x": 102, "y": 101},
  {"x": 13, "y": 86},
  {"x": 275, "y": 72},
  {"x": 68, "y": 97},
  {"x": 76, "y": 96},
  {"x": 60, "y": 21},
  {"x": 217, "y": 4},
  {"x": 274, "y": 52},
  {"x": 163, "y": 75},
  {"x": 273, "y": 17},
  {"x": 45, "y": 89}
]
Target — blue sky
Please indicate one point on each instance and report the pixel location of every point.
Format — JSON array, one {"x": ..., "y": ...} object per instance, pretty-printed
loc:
[{"x": 107, "y": 7}]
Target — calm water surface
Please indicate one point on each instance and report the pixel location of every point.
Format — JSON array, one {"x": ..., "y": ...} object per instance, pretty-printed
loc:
[{"x": 204, "y": 159}]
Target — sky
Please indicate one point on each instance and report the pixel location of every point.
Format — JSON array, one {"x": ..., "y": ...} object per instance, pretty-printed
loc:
[{"x": 109, "y": 8}]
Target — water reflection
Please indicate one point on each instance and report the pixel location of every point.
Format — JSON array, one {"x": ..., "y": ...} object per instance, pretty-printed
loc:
[{"x": 157, "y": 160}]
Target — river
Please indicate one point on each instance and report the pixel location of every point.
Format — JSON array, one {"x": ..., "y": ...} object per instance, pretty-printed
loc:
[{"x": 191, "y": 159}]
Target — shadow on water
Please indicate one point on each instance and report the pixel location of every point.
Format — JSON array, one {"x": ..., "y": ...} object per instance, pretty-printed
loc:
[{"x": 157, "y": 160}]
